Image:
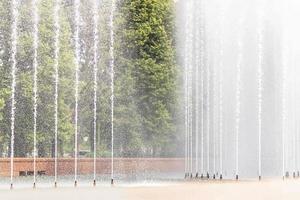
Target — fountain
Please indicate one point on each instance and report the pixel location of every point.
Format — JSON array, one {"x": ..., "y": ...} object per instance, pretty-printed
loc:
[
  {"x": 238, "y": 96},
  {"x": 77, "y": 65},
  {"x": 35, "y": 84},
  {"x": 215, "y": 118},
  {"x": 112, "y": 76},
  {"x": 221, "y": 118},
  {"x": 201, "y": 35},
  {"x": 294, "y": 86},
  {"x": 214, "y": 80},
  {"x": 186, "y": 101},
  {"x": 95, "y": 70},
  {"x": 188, "y": 95},
  {"x": 260, "y": 76},
  {"x": 228, "y": 97},
  {"x": 197, "y": 66},
  {"x": 56, "y": 82},
  {"x": 14, "y": 39},
  {"x": 208, "y": 113},
  {"x": 221, "y": 66}
]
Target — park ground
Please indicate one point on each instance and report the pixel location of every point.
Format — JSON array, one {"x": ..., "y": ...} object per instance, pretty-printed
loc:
[{"x": 214, "y": 190}]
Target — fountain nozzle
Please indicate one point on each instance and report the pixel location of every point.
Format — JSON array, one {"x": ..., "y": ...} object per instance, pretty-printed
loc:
[
  {"x": 94, "y": 183},
  {"x": 112, "y": 182},
  {"x": 221, "y": 177},
  {"x": 75, "y": 183},
  {"x": 237, "y": 177},
  {"x": 11, "y": 186},
  {"x": 55, "y": 184},
  {"x": 187, "y": 175}
]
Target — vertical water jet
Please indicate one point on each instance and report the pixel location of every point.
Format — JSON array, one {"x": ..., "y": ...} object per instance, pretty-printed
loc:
[
  {"x": 201, "y": 34},
  {"x": 35, "y": 83},
  {"x": 189, "y": 87},
  {"x": 56, "y": 82},
  {"x": 14, "y": 39},
  {"x": 221, "y": 65},
  {"x": 208, "y": 113},
  {"x": 186, "y": 105},
  {"x": 197, "y": 66},
  {"x": 284, "y": 68},
  {"x": 215, "y": 116},
  {"x": 77, "y": 66},
  {"x": 260, "y": 77},
  {"x": 191, "y": 118},
  {"x": 190, "y": 97},
  {"x": 95, "y": 86},
  {"x": 238, "y": 96},
  {"x": 186, "y": 96},
  {"x": 294, "y": 86},
  {"x": 112, "y": 87}
]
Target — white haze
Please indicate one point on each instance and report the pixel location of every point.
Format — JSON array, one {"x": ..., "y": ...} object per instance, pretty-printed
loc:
[{"x": 280, "y": 48}]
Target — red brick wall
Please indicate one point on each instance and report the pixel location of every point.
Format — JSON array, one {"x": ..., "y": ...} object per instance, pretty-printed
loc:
[{"x": 85, "y": 165}]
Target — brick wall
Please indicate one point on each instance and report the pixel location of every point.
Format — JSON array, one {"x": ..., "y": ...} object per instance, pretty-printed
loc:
[{"x": 85, "y": 165}]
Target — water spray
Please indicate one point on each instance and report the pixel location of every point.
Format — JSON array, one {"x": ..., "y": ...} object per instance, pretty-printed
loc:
[
  {"x": 112, "y": 75},
  {"x": 77, "y": 66},
  {"x": 35, "y": 84},
  {"x": 14, "y": 39},
  {"x": 56, "y": 80},
  {"x": 95, "y": 85}
]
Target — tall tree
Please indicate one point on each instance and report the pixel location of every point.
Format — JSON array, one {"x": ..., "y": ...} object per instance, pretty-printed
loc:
[{"x": 150, "y": 47}]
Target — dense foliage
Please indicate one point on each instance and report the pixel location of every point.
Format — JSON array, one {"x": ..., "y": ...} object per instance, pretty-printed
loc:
[{"x": 145, "y": 86}]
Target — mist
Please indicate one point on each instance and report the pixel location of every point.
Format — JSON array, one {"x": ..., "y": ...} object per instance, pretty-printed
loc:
[{"x": 247, "y": 92}]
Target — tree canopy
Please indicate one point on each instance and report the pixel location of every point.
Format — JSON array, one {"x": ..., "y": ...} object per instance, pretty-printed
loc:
[{"x": 146, "y": 88}]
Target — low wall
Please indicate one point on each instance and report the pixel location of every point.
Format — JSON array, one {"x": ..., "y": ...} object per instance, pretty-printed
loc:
[{"x": 65, "y": 166}]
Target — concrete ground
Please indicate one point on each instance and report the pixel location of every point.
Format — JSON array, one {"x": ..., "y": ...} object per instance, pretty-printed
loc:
[{"x": 207, "y": 190}]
